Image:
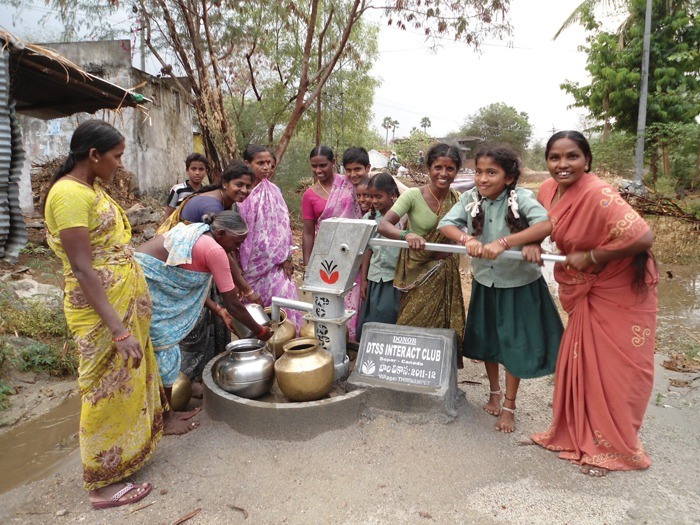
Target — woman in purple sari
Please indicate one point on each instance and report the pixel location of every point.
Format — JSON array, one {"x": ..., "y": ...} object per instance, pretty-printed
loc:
[
  {"x": 266, "y": 254},
  {"x": 331, "y": 196}
]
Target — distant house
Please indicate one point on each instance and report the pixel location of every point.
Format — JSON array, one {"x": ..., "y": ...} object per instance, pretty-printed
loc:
[
  {"x": 467, "y": 148},
  {"x": 38, "y": 82},
  {"x": 158, "y": 138}
]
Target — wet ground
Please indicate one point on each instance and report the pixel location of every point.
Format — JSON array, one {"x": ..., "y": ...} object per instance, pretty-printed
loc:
[{"x": 35, "y": 449}]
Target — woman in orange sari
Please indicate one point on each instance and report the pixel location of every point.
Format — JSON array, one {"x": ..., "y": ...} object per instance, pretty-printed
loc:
[{"x": 605, "y": 370}]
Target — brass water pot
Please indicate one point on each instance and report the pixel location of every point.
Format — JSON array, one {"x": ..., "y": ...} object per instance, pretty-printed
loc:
[
  {"x": 305, "y": 371},
  {"x": 182, "y": 393},
  {"x": 283, "y": 333},
  {"x": 308, "y": 329}
]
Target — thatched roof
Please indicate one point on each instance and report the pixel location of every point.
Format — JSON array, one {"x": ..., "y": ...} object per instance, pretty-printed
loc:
[{"x": 46, "y": 85}]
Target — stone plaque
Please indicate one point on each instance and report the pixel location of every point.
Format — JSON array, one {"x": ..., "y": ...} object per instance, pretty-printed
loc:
[
  {"x": 408, "y": 369},
  {"x": 389, "y": 355}
]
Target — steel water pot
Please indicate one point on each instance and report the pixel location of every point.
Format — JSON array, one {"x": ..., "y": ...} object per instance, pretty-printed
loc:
[
  {"x": 246, "y": 370},
  {"x": 258, "y": 314}
]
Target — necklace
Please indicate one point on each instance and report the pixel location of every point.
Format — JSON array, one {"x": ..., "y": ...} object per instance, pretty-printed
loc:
[
  {"x": 76, "y": 179},
  {"x": 324, "y": 189},
  {"x": 440, "y": 203}
]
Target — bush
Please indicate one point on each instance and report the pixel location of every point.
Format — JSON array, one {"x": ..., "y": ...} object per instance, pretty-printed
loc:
[
  {"x": 38, "y": 357},
  {"x": 34, "y": 319}
]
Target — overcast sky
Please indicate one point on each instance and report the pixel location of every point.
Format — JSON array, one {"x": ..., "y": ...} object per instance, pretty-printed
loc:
[
  {"x": 446, "y": 86},
  {"x": 524, "y": 72}
]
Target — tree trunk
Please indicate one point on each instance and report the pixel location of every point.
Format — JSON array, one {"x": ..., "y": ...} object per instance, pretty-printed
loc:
[
  {"x": 654, "y": 164},
  {"x": 665, "y": 162}
]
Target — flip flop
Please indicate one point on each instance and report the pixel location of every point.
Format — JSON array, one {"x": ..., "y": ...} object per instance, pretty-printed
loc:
[{"x": 116, "y": 501}]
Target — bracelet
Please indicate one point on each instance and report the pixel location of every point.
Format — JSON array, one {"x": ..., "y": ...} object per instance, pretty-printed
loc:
[
  {"x": 263, "y": 328},
  {"x": 123, "y": 337},
  {"x": 251, "y": 292},
  {"x": 590, "y": 256},
  {"x": 503, "y": 242},
  {"x": 403, "y": 234},
  {"x": 464, "y": 239}
]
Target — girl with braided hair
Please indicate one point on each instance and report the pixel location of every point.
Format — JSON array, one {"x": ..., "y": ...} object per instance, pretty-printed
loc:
[{"x": 512, "y": 319}]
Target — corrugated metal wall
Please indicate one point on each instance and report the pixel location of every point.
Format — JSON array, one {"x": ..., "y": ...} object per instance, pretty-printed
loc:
[{"x": 13, "y": 232}]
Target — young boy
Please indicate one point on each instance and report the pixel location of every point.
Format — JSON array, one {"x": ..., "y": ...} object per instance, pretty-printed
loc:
[
  {"x": 356, "y": 164},
  {"x": 196, "y": 166}
]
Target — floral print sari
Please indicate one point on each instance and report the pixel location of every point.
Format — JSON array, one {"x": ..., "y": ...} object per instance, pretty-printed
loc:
[{"x": 121, "y": 418}]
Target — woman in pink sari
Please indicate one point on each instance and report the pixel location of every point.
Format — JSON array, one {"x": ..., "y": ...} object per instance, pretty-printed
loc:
[
  {"x": 331, "y": 196},
  {"x": 605, "y": 371},
  {"x": 266, "y": 254}
]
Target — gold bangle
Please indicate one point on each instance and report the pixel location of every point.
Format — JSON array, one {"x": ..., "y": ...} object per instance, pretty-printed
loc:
[{"x": 122, "y": 337}]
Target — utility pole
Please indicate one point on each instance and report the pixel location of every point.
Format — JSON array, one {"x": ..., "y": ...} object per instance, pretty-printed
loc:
[{"x": 642, "y": 117}]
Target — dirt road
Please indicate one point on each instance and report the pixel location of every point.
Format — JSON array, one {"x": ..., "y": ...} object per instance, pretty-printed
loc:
[{"x": 385, "y": 470}]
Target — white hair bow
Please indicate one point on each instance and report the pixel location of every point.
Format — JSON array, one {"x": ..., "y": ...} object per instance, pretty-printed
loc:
[
  {"x": 474, "y": 206},
  {"x": 513, "y": 203}
]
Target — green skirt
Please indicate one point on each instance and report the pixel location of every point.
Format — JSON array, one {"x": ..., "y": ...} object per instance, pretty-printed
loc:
[
  {"x": 517, "y": 327},
  {"x": 381, "y": 306}
]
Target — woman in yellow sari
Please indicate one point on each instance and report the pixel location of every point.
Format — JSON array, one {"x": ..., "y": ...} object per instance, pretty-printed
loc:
[{"x": 108, "y": 311}]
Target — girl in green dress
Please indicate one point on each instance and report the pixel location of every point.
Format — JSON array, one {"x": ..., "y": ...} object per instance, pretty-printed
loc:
[{"x": 512, "y": 319}]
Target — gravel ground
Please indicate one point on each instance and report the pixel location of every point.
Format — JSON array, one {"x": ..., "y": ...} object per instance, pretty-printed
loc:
[{"x": 386, "y": 469}]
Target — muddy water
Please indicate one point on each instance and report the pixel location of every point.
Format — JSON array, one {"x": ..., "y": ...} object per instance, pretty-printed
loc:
[
  {"x": 32, "y": 450},
  {"x": 679, "y": 304}
]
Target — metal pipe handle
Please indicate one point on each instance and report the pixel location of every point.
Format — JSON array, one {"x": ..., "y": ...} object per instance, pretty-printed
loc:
[{"x": 455, "y": 248}]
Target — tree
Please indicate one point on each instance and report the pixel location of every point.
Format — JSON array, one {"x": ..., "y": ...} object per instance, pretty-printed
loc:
[
  {"x": 614, "y": 64},
  {"x": 499, "y": 123},
  {"x": 387, "y": 124},
  {"x": 407, "y": 148},
  {"x": 425, "y": 124},
  {"x": 394, "y": 124},
  {"x": 218, "y": 45}
]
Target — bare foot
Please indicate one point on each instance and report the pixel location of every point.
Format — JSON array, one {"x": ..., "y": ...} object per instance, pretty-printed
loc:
[
  {"x": 175, "y": 426},
  {"x": 184, "y": 416},
  {"x": 596, "y": 472},
  {"x": 118, "y": 494},
  {"x": 506, "y": 423},
  {"x": 493, "y": 407}
]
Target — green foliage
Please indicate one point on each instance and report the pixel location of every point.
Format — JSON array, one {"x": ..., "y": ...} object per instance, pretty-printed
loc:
[
  {"x": 5, "y": 391},
  {"x": 38, "y": 357},
  {"x": 294, "y": 174},
  {"x": 614, "y": 154},
  {"x": 34, "y": 319},
  {"x": 407, "y": 149},
  {"x": 534, "y": 158},
  {"x": 680, "y": 143},
  {"x": 346, "y": 101},
  {"x": 499, "y": 123}
]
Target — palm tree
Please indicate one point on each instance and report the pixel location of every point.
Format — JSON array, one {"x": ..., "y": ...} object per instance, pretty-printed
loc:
[
  {"x": 387, "y": 124},
  {"x": 587, "y": 6},
  {"x": 394, "y": 125},
  {"x": 425, "y": 124}
]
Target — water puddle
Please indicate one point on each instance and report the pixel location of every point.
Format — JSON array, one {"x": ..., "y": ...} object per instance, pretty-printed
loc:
[
  {"x": 679, "y": 302},
  {"x": 32, "y": 450}
]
